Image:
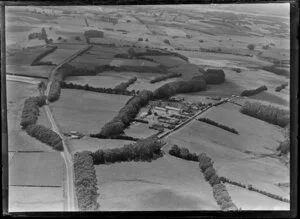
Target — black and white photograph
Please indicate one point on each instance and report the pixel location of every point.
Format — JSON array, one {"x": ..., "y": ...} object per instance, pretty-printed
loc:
[{"x": 182, "y": 107}]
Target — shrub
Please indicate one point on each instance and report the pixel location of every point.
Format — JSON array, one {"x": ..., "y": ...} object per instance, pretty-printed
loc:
[
  {"x": 266, "y": 113},
  {"x": 85, "y": 181},
  {"x": 209, "y": 173},
  {"x": 123, "y": 86},
  {"x": 143, "y": 150},
  {"x": 214, "y": 76},
  {"x": 175, "y": 151},
  {"x": 204, "y": 162},
  {"x": 78, "y": 38},
  {"x": 54, "y": 91},
  {"x": 31, "y": 110},
  {"x": 164, "y": 77},
  {"x": 166, "y": 41},
  {"x": 45, "y": 135},
  {"x": 140, "y": 39},
  {"x": 183, "y": 153},
  {"x": 251, "y": 46},
  {"x": 252, "y": 92},
  {"x": 211, "y": 122},
  {"x": 214, "y": 180}
]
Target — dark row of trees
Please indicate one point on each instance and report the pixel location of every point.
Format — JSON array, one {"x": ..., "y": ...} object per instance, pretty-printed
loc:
[
  {"x": 182, "y": 153},
  {"x": 276, "y": 70},
  {"x": 123, "y": 86},
  {"x": 284, "y": 146},
  {"x": 54, "y": 91},
  {"x": 214, "y": 76},
  {"x": 85, "y": 182},
  {"x": 280, "y": 87},
  {"x": 220, "y": 192},
  {"x": 211, "y": 122},
  {"x": 37, "y": 61},
  {"x": 93, "y": 34},
  {"x": 29, "y": 118},
  {"x": 251, "y": 188},
  {"x": 267, "y": 113},
  {"x": 120, "y": 137},
  {"x": 252, "y": 92},
  {"x": 143, "y": 150},
  {"x": 46, "y": 136},
  {"x": 151, "y": 52},
  {"x": 164, "y": 77},
  {"x": 97, "y": 89},
  {"x": 31, "y": 110}
]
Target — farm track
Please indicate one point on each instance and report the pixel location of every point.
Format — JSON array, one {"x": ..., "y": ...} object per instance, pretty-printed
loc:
[{"x": 66, "y": 154}]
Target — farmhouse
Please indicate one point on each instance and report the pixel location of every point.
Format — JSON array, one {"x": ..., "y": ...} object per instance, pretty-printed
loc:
[{"x": 173, "y": 110}]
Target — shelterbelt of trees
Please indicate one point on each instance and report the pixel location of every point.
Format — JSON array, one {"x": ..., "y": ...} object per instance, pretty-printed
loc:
[{"x": 29, "y": 118}]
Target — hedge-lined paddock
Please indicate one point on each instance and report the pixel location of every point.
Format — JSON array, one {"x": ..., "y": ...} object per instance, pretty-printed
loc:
[
  {"x": 123, "y": 86},
  {"x": 54, "y": 91},
  {"x": 267, "y": 113},
  {"x": 97, "y": 89},
  {"x": 211, "y": 122},
  {"x": 183, "y": 153},
  {"x": 85, "y": 181},
  {"x": 252, "y": 92},
  {"x": 165, "y": 77},
  {"x": 46, "y": 136},
  {"x": 31, "y": 110},
  {"x": 37, "y": 61},
  {"x": 143, "y": 150}
]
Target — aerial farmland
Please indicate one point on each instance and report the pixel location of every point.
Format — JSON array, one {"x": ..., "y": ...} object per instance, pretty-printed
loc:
[{"x": 148, "y": 108}]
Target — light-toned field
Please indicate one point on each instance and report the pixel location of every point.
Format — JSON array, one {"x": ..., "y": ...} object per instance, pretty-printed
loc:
[
  {"x": 227, "y": 149},
  {"x": 129, "y": 62},
  {"x": 139, "y": 130},
  {"x": 33, "y": 199},
  {"x": 36, "y": 169},
  {"x": 164, "y": 184},
  {"x": 253, "y": 201},
  {"x": 97, "y": 81},
  {"x": 42, "y": 71},
  {"x": 43, "y": 119},
  {"x": 92, "y": 144},
  {"x": 18, "y": 139},
  {"x": 85, "y": 111}
]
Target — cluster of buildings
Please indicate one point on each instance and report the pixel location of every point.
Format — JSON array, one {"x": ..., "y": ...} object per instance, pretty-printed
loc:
[{"x": 108, "y": 19}]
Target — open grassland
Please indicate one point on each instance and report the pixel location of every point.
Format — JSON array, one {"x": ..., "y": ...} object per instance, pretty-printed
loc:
[
  {"x": 248, "y": 200},
  {"x": 36, "y": 169},
  {"x": 139, "y": 130},
  {"x": 85, "y": 111},
  {"x": 165, "y": 184},
  {"x": 92, "y": 144},
  {"x": 19, "y": 140},
  {"x": 31, "y": 199},
  {"x": 232, "y": 155},
  {"x": 30, "y": 71}
]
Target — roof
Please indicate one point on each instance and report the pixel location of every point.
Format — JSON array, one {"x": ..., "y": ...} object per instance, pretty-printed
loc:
[
  {"x": 173, "y": 108},
  {"x": 159, "y": 108}
]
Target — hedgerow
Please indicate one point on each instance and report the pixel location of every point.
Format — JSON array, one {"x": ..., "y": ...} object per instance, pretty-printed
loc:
[
  {"x": 164, "y": 77},
  {"x": 268, "y": 113},
  {"x": 123, "y": 86},
  {"x": 211, "y": 122},
  {"x": 85, "y": 181},
  {"x": 54, "y": 91},
  {"x": 252, "y": 92},
  {"x": 183, "y": 153}
]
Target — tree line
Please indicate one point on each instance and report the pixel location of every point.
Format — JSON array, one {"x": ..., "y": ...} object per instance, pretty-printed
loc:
[
  {"x": 183, "y": 153},
  {"x": 37, "y": 60},
  {"x": 211, "y": 122},
  {"x": 29, "y": 118},
  {"x": 280, "y": 87},
  {"x": 277, "y": 71},
  {"x": 252, "y": 92},
  {"x": 97, "y": 89},
  {"x": 54, "y": 91},
  {"x": 267, "y": 113},
  {"x": 123, "y": 86},
  {"x": 85, "y": 182},
  {"x": 164, "y": 77},
  {"x": 143, "y": 150}
]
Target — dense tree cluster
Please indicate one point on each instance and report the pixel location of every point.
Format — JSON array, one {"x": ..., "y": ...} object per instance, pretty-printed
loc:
[
  {"x": 85, "y": 182},
  {"x": 252, "y": 92},
  {"x": 251, "y": 46},
  {"x": 126, "y": 114},
  {"x": 268, "y": 113},
  {"x": 284, "y": 146},
  {"x": 41, "y": 36},
  {"x": 223, "y": 198},
  {"x": 183, "y": 153},
  {"x": 219, "y": 190},
  {"x": 214, "y": 76},
  {"x": 123, "y": 86},
  {"x": 211, "y": 122},
  {"x": 280, "y": 87},
  {"x": 120, "y": 137},
  {"x": 143, "y": 150},
  {"x": 164, "y": 77},
  {"x": 37, "y": 61},
  {"x": 151, "y": 52},
  {"x": 31, "y": 110},
  {"x": 97, "y": 89},
  {"x": 46, "y": 136},
  {"x": 93, "y": 34},
  {"x": 166, "y": 41},
  {"x": 276, "y": 70},
  {"x": 54, "y": 91}
]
